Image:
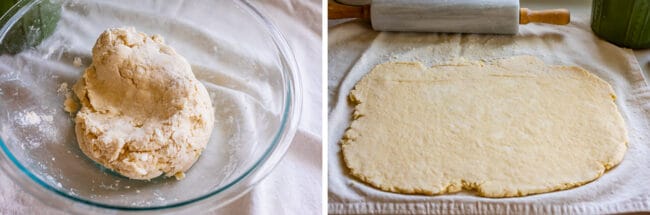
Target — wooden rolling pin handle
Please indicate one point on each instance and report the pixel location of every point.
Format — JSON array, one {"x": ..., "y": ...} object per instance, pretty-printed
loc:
[
  {"x": 555, "y": 16},
  {"x": 340, "y": 11}
]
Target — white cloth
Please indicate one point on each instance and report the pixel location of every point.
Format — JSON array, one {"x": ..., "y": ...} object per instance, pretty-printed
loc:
[
  {"x": 294, "y": 187},
  {"x": 354, "y": 49}
]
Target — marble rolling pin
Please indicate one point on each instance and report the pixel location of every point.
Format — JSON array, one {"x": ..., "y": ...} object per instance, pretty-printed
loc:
[{"x": 455, "y": 16}]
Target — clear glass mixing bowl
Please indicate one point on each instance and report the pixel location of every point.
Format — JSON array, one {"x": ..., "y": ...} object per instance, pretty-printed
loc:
[{"x": 234, "y": 51}]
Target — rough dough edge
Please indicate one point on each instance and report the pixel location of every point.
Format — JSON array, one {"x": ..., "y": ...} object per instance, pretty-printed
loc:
[{"x": 474, "y": 188}]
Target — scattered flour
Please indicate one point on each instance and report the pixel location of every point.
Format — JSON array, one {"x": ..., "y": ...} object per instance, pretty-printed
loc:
[
  {"x": 47, "y": 118},
  {"x": 29, "y": 118}
]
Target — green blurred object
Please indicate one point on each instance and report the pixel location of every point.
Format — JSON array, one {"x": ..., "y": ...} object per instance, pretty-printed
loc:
[
  {"x": 36, "y": 24},
  {"x": 622, "y": 22}
]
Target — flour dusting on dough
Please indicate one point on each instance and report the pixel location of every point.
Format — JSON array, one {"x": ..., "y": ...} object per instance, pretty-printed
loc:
[{"x": 143, "y": 113}]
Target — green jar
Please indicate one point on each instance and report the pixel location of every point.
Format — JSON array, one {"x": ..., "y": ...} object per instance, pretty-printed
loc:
[
  {"x": 35, "y": 26},
  {"x": 622, "y": 22}
]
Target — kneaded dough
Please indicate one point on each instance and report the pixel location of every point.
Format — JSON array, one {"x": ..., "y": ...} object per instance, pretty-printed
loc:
[
  {"x": 512, "y": 127},
  {"x": 143, "y": 113}
]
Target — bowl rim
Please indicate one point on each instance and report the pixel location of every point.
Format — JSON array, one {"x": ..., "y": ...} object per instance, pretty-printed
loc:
[{"x": 291, "y": 115}]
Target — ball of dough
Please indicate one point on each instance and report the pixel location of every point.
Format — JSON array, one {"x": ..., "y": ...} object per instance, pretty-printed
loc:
[{"x": 143, "y": 113}]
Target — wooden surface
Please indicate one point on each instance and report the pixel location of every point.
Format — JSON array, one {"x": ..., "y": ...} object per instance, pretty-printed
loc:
[{"x": 340, "y": 11}]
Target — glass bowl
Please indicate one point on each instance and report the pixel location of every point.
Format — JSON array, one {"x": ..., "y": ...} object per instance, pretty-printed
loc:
[{"x": 234, "y": 51}]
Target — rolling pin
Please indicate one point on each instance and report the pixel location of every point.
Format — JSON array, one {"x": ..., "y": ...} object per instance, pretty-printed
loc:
[{"x": 454, "y": 16}]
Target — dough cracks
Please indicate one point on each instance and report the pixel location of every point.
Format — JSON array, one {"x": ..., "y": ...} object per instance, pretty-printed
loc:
[{"x": 143, "y": 113}]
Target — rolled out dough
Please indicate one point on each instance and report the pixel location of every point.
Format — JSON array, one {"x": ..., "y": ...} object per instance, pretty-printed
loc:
[
  {"x": 511, "y": 127},
  {"x": 143, "y": 113}
]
